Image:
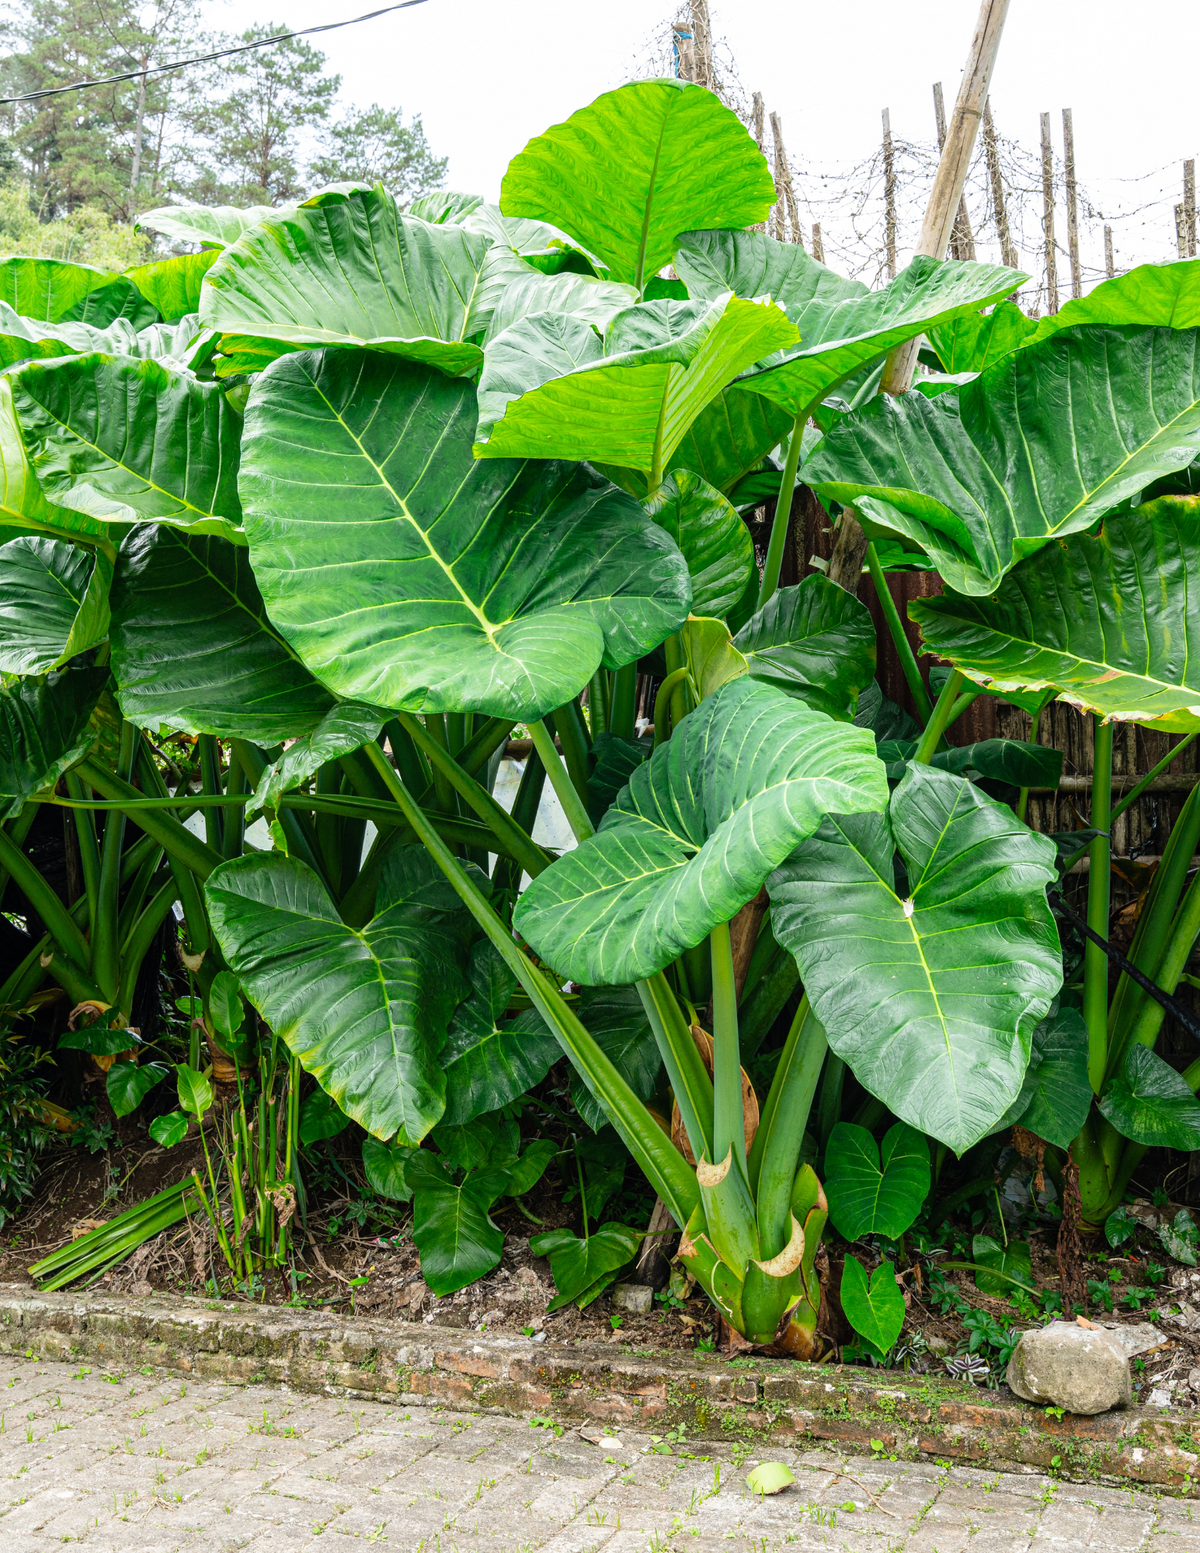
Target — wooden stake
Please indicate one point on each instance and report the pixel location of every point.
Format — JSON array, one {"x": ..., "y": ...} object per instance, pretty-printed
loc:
[
  {"x": 1072, "y": 209},
  {"x": 962, "y": 243},
  {"x": 759, "y": 125},
  {"x": 818, "y": 245},
  {"x": 889, "y": 193},
  {"x": 1008, "y": 254},
  {"x": 1180, "y": 232},
  {"x": 1110, "y": 268},
  {"x": 1048, "y": 217},
  {"x": 1189, "y": 206},
  {"x": 952, "y": 168},
  {"x": 783, "y": 181}
]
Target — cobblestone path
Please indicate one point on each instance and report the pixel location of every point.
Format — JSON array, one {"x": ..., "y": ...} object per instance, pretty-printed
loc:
[{"x": 138, "y": 1463}]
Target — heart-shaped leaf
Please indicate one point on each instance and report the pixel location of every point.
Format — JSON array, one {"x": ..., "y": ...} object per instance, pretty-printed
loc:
[
  {"x": 168, "y": 1130},
  {"x": 1034, "y": 449},
  {"x": 225, "y": 1004},
  {"x": 436, "y": 581},
  {"x": 972, "y": 342},
  {"x": 1011, "y": 1259},
  {"x": 815, "y": 642},
  {"x": 716, "y": 544},
  {"x": 215, "y": 226},
  {"x": 53, "y": 289},
  {"x": 365, "y": 1011},
  {"x": 929, "y": 989},
  {"x": 1150, "y": 1103},
  {"x": 127, "y": 1084},
  {"x": 529, "y": 1169},
  {"x": 321, "y": 1117},
  {"x": 842, "y": 324},
  {"x": 194, "y": 1090},
  {"x": 551, "y": 387},
  {"x": 192, "y": 646},
  {"x": 173, "y": 286},
  {"x": 452, "y": 1229},
  {"x": 1059, "y": 1093},
  {"x": 998, "y": 760},
  {"x": 693, "y": 837},
  {"x": 1107, "y": 620},
  {"x": 53, "y": 603},
  {"x": 490, "y": 1063},
  {"x": 349, "y": 269},
  {"x": 623, "y": 176},
  {"x": 45, "y": 727},
  {"x": 875, "y": 1310},
  {"x": 583, "y": 1268},
  {"x": 385, "y": 1166},
  {"x": 130, "y": 441},
  {"x": 875, "y": 1189}
]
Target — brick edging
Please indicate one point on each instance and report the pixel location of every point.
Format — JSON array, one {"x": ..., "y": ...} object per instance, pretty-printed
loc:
[{"x": 752, "y": 1400}]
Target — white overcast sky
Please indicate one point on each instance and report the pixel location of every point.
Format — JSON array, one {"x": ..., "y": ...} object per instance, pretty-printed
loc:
[{"x": 487, "y": 75}]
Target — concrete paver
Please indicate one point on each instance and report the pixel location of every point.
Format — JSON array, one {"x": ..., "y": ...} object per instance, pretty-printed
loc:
[{"x": 142, "y": 1463}]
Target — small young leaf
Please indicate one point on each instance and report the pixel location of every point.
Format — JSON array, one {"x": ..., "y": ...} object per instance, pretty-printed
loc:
[
  {"x": 385, "y": 1166},
  {"x": 128, "y": 1084},
  {"x": 452, "y": 1229},
  {"x": 321, "y": 1117},
  {"x": 531, "y": 1166},
  {"x": 1013, "y": 1259},
  {"x": 168, "y": 1130},
  {"x": 875, "y": 1310},
  {"x": 1120, "y": 1226},
  {"x": 1181, "y": 1238},
  {"x": 770, "y": 1477},
  {"x": 583, "y": 1269},
  {"x": 195, "y": 1092},
  {"x": 225, "y": 1005},
  {"x": 873, "y": 1190},
  {"x": 99, "y": 1040}
]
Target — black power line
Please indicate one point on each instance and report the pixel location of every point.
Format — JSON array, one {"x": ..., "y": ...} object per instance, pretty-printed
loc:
[{"x": 200, "y": 59}]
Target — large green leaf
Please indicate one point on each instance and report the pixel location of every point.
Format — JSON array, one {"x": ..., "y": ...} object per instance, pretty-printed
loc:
[
  {"x": 44, "y": 729},
  {"x": 551, "y": 387},
  {"x": 526, "y": 291},
  {"x": 452, "y": 1230},
  {"x": 31, "y": 339},
  {"x": 53, "y": 603},
  {"x": 172, "y": 286},
  {"x": 875, "y": 1189},
  {"x": 742, "y": 781},
  {"x": 1035, "y": 449},
  {"x": 1163, "y": 295},
  {"x": 1152, "y": 1104},
  {"x": 730, "y": 436},
  {"x": 972, "y": 342},
  {"x": 215, "y": 226},
  {"x": 1011, "y": 1261},
  {"x": 638, "y": 166},
  {"x": 842, "y": 325},
  {"x": 116, "y": 303},
  {"x": 346, "y": 727},
  {"x": 998, "y": 760},
  {"x": 490, "y": 1064},
  {"x": 616, "y": 759},
  {"x": 434, "y": 581},
  {"x": 53, "y": 289},
  {"x": 1056, "y": 1094},
  {"x": 929, "y": 987},
  {"x": 351, "y": 270},
  {"x": 1109, "y": 621},
  {"x": 583, "y": 1268},
  {"x": 875, "y": 1310},
  {"x": 192, "y": 646},
  {"x": 716, "y": 544},
  {"x": 129, "y": 441},
  {"x": 816, "y": 642},
  {"x": 365, "y": 1011}
]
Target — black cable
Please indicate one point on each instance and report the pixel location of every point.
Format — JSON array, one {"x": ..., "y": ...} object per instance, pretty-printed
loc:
[
  {"x": 200, "y": 59},
  {"x": 1131, "y": 970}
]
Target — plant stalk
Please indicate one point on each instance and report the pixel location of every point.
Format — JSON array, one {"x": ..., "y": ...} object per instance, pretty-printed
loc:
[
  {"x": 939, "y": 720},
  {"x": 577, "y": 815},
  {"x": 1095, "y": 961},
  {"x": 783, "y": 510},
  {"x": 891, "y": 617}
]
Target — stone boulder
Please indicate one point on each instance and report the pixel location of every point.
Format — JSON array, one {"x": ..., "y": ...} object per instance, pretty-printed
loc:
[{"x": 1080, "y": 1369}]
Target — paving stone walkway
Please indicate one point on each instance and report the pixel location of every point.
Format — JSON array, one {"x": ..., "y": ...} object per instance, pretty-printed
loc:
[{"x": 140, "y": 1463}]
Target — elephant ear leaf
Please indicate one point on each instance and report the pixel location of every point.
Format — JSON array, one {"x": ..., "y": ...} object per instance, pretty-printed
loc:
[
  {"x": 128, "y": 441},
  {"x": 1107, "y": 620},
  {"x": 1152, "y": 1104},
  {"x": 972, "y": 342},
  {"x": 584, "y": 1268},
  {"x": 192, "y": 646},
  {"x": 1035, "y": 449},
  {"x": 45, "y": 727},
  {"x": 1162, "y": 295},
  {"x": 365, "y": 1011},
  {"x": 173, "y": 286},
  {"x": 53, "y": 603},
  {"x": 350, "y": 269},
  {"x": 437, "y": 582},
  {"x": 716, "y": 544},
  {"x": 702, "y": 823},
  {"x": 874, "y": 1309},
  {"x": 1057, "y": 1095},
  {"x": 874, "y": 1189},
  {"x": 216, "y": 226},
  {"x": 929, "y": 990},
  {"x": 622, "y": 175},
  {"x": 816, "y": 642},
  {"x": 489, "y": 1063},
  {"x": 452, "y": 1228},
  {"x": 52, "y": 289}
]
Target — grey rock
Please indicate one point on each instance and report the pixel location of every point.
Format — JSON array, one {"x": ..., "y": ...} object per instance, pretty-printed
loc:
[
  {"x": 1081, "y": 1369},
  {"x": 635, "y": 1297},
  {"x": 1134, "y": 1336}
]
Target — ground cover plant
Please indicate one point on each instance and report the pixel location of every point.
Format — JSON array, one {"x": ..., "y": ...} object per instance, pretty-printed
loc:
[{"x": 306, "y": 524}]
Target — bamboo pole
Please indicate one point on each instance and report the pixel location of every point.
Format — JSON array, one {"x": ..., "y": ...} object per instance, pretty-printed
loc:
[
  {"x": 1180, "y": 233},
  {"x": 1072, "y": 206},
  {"x": 991, "y": 146},
  {"x": 818, "y": 247},
  {"x": 962, "y": 242},
  {"x": 1189, "y": 207},
  {"x": 783, "y": 180},
  {"x": 1048, "y": 218},
  {"x": 889, "y": 193},
  {"x": 1110, "y": 268}
]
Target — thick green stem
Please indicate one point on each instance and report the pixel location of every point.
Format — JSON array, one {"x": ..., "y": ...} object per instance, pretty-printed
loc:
[
  {"x": 686, "y": 1073},
  {"x": 829, "y": 1106},
  {"x": 662, "y": 704},
  {"x": 624, "y": 701},
  {"x": 1180, "y": 942},
  {"x": 173, "y": 837},
  {"x": 140, "y": 939},
  {"x": 776, "y": 1149},
  {"x": 895, "y": 625},
  {"x": 939, "y": 720},
  {"x": 783, "y": 511},
  {"x": 681, "y": 699},
  {"x": 729, "y": 1120},
  {"x": 233, "y": 834},
  {"x": 577, "y": 815},
  {"x": 106, "y": 950},
  {"x": 664, "y": 1166},
  {"x": 210, "y": 781},
  {"x": 498, "y": 820},
  {"x": 89, "y": 849},
  {"x": 597, "y": 705},
  {"x": 408, "y": 758},
  {"x": 57, "y": 919},
  {"x": 572, "y": 735},
  {"x": 1095, "y": 961},
  {"x": 434, "y": 729}
]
